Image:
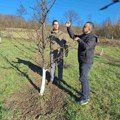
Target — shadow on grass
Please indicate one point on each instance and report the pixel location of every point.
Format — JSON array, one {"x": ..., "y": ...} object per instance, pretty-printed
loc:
[
  {"x": 20, "y": 46},
  {"x": 14, "y": 66},
  {"x": 67, "y": 89},
  {"x": 38, "y": 69},
  {"x": 114, "y": 63},
  {"x": 111, "y": 61},
  {"x": 33, "y": 67}
]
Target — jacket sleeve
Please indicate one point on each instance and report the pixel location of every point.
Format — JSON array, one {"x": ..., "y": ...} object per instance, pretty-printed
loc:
[
  {"x": 89, "y": 44},
  {"x": 71, "y": 34}
]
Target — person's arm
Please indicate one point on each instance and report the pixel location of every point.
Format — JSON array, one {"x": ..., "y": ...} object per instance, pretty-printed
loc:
[
  {"x": 87, "y": 45},
  {"x": 71, "y": 34}
]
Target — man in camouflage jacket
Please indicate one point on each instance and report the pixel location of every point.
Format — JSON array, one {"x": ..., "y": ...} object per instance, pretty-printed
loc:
[{"x": 58, "y": 46}]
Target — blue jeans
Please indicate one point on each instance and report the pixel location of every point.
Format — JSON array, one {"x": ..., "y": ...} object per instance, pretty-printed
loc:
[
  {"x": 84, "y": 69},
  {"x": 55, "y": 59}
]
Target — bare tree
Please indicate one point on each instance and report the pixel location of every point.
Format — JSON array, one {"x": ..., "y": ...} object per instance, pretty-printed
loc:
[
  {"x": 71, "y": 16},
  {"x": 21, "y": 10},
  {"x": 41, "y": 11},
  {"x": 38, "y": 34}
]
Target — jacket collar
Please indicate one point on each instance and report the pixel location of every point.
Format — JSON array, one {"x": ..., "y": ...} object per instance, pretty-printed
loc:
[{"x": 54, "y": 32}]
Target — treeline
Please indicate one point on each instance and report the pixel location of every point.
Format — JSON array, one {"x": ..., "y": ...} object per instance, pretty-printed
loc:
[
  {"x": 11, "y": 21},
  {"x": 109, "y": 30},
  {"x": 106, "y": 30}
]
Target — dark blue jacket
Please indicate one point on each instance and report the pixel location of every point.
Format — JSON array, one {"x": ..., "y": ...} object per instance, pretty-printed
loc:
[{"x": 86, "y": 47}]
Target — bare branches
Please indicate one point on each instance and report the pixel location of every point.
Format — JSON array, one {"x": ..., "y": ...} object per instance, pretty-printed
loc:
[
  {"x": 21, "y": 10},
  {"x": 51, "y": 5},
  {"x": 71, "y": 16},
  {"x": 41, "y": 11}
]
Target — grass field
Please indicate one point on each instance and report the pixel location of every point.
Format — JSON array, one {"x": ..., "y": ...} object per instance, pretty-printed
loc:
[{"x": 104, "y": 79}]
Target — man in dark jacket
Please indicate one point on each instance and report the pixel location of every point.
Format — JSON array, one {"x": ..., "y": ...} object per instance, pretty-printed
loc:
[{"x": 86, "y": 46}]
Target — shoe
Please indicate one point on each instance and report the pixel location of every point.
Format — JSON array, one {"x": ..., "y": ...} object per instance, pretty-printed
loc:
[{"x": 84, "y": 102}]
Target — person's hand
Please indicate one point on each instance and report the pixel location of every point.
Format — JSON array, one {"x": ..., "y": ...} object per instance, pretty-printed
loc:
[
  {"x": 68, "y": 24},
  {"x": 76, "y": 39},
  {"x": 66, "y": 50}
]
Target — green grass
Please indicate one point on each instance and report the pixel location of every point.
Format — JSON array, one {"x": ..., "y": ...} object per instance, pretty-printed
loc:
[
  {"x": 12, "y": 78},
  {"x": 104, "y": 84},
  {"x": 104, "y": 79},
  {"x": 15, "y": 33}
]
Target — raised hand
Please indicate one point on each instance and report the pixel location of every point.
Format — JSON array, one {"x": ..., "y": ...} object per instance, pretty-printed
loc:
[{"x": 68, "y": 24}]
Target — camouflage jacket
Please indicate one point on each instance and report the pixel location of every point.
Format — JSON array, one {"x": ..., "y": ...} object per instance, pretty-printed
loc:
[{"x": 58, "y": 41}]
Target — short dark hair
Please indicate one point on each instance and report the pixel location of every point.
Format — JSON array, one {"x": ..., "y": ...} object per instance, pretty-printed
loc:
[{"x": 54, "y": 21}]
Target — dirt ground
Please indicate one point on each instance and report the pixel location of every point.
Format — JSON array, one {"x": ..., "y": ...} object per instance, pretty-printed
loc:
[{"x": 32, "y": 106}]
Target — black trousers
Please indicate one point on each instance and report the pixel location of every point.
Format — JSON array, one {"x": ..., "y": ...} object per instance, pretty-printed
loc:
[{"x": 84, "y": 69}]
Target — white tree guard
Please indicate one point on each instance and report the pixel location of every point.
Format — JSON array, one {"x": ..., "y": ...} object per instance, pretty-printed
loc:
[{"x": 43, "y": 82}]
